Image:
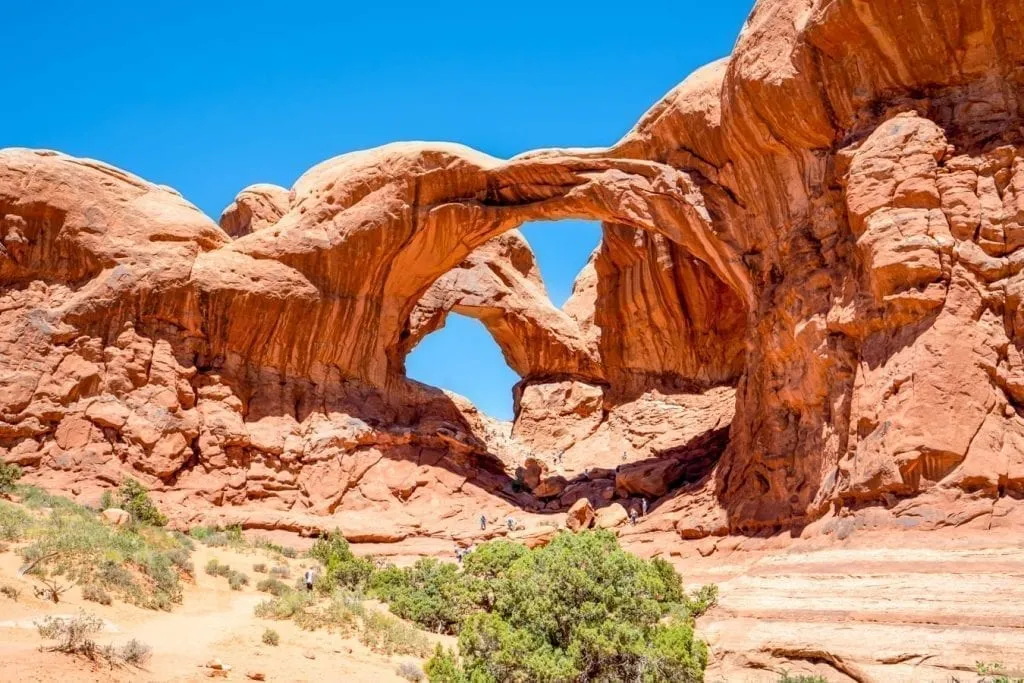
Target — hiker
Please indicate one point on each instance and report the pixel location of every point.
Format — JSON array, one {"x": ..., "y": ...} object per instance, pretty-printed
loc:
[
  {"x": 309, "y": 578},
  {"x": 459, "y": 552},
  {"x": 632, "y": 516},
  {"x": 511, "y": 523},
  {"x": 643, "y": 507},
  {"x": 483, "y": 522}
]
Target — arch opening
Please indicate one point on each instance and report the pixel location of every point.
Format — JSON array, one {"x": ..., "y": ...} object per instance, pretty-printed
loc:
[
  {"x": 562, "y": 250},
  {"x": 462, "y": 357}
]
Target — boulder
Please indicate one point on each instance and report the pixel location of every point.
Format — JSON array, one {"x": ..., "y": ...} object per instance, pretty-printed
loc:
[
  {"x": 532, "y": 471},
  {"x": 611, "y": 516},
  {"x": 551, "y": 487},
  {"x": 580, "y": 516},
  {"x": 116, "y": 516}
]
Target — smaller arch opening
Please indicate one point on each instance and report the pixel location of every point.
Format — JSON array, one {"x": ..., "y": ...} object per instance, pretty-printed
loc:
[{"x": 463, "y": 357}]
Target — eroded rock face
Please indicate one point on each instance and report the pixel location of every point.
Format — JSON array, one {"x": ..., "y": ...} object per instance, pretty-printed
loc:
[
  {"x": 500, "y": 284},
  {"x": 806, "y": 303}
]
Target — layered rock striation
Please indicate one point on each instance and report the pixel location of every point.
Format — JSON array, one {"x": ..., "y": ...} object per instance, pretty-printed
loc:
[{"x": 804, "y": 309}]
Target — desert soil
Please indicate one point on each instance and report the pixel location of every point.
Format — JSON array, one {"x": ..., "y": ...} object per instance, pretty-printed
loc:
[{"x": 213, "y": 622}]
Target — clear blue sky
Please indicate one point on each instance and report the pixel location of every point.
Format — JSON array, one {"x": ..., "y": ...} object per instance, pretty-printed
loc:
[{"x": 211, "y": 97}]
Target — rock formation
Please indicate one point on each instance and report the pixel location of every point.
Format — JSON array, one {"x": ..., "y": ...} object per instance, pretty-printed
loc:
[{"x": 806, "y": 305}]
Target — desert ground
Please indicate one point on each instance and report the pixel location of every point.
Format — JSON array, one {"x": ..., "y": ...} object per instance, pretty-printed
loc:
[{"x": 214, "y": 623}]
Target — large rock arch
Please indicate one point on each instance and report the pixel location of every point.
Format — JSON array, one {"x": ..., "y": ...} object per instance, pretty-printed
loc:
[
  {"x": 366, "y": 234},
  {"x": 851, "y": 175}
]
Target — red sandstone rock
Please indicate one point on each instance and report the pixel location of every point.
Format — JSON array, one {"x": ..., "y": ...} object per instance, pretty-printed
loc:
[
  {"x": 611, "y": 516},
  {"x": 116, "y": 516},
  {"x": 580, "y": 516},
  {"x": 816, "y": 240}
]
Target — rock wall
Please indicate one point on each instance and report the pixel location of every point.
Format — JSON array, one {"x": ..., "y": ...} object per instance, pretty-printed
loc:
[{"x": 815, "y": 241}]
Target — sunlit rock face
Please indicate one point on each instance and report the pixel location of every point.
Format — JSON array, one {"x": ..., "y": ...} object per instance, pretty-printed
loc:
[{"x": 805, "y": 304}]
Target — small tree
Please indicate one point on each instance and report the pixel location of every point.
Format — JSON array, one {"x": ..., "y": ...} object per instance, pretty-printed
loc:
[
  {"x": 580, "y": 608},
  {"x": 135, "y": 501},
  {"x": 9, "y": 476},
  {"x": 341, "y": 567}
]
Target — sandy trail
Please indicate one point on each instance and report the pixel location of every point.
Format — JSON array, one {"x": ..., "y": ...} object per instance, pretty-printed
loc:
[{"x": 213, "y": 622}]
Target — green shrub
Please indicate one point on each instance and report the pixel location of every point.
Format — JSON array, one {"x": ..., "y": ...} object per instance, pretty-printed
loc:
[
  {"x": 260, "y": 568},
  {"x": 36, "y": 498},
  {"x": 341, "y": 612},
  {"x": 263, "y": 543},
  {"x": 579, "y": 609},
  {"x": 137, "y": 563},
  {"x": 341, "y": 567},
  {"x": 800, "y": 678},
  {"x": 134, "y": 499},
  {"x": 215, "y": 568},
  {"x": 73, "y": 634},
  {"x": 14, "y": 522},
  {"x": 134, "y": 652},
  {"x": 995, "y": 672},
  {"x": 284, "y": 606},
  {"x": 431, "y": 593},
  {"x": 272, "y": 586},
  {"x": 184, "y": 540},
  {"x": 182, "y": 559},
  {"x": 9, "y": 476},
  {"x": 107, "y": 501},
  {"x": 410, "y": 671},
  {"x": 443, "y": 667},
  {"x": 236, "y": 580},
  {"x": 704, "y": 599},
  {"x": 215, "y": 538},
  {"x": 96, "y": 594},
  {"x": 384, "y": 634},
  {"x": 235, "y": 538},
  {"x": 493, "y": 559},
  {"x": 271, "y": 637},
  {"x": 280, "y": 572},
  {"x": 10, "y": 591}
]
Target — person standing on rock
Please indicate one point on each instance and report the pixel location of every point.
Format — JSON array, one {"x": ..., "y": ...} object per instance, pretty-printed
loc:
[
  {"x": 483, "y": 522},
  {"x": 643, "y": 507},
  {"x": 511, "y": 522},
  {"x": 632, "y": 516}
]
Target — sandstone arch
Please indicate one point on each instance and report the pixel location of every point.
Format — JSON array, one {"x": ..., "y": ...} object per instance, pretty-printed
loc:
[
  {"x": 368, "y": 233},
  {"x": 852, "y": 174}
]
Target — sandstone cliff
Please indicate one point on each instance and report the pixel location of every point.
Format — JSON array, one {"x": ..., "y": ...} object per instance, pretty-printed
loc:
[{"x": 805, "y": 307}]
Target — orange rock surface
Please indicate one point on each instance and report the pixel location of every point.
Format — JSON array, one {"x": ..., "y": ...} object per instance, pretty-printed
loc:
[{"x": 805, "y": 312}]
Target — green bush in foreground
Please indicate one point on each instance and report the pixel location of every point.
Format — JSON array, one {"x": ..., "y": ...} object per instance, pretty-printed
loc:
[
  {"x": 341, "y": 567},
  {"x": 580, "y": 608},
  {"x": 14, "y": 522},
  {"x": 384, "y": 634},
  {"x": 138, "y": 563},
  {"x": 431, "y": 593}
]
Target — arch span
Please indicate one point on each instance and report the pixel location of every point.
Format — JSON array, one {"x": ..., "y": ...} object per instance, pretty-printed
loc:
[{"x": 367, "y": 233}]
